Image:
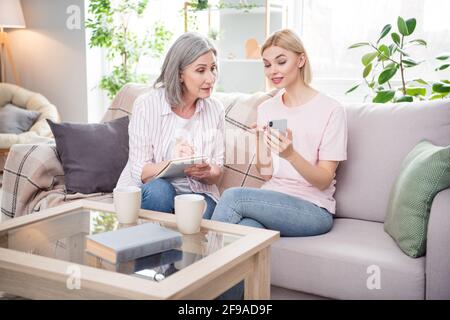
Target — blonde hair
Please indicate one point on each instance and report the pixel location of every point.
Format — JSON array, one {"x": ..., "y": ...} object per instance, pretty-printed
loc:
[{"x": 289, "y": 40}]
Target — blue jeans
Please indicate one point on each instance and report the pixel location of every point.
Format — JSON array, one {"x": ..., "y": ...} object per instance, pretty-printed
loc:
[
  {"x": 292, "y": 216},
  {"x": 159, "y": 195}
]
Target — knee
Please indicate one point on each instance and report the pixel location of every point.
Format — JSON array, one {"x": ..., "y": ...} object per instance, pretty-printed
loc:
[
  {"x": 158, "y": 195},
  {"x": 227, "y": 205},
  {"x": 159, "y": 187},
  {"x": 231, "y": 195}
]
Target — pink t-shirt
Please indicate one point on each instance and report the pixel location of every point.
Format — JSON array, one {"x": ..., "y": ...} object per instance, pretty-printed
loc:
[{"x": 319, "y": 129}]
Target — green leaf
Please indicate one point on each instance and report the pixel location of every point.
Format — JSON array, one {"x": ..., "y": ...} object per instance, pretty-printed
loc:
[
  {"x": 352, "y": 89},
  {"x": 385, "y": 31},
  {"x": 443, "y": 67},
  {"x": 436, "y": 96},
  {"x": 384, "y": 96},
  {"x": 421, "y": 81},
  {"x": 405, "y": 99},
  {"x": 386, "y": 75},
  {"x": 411, "y": 25},
  {"x": 402, "y": 52},
  {"x": 440, "y": 87},
  {"x": 359, "y": 44},
  {"x": 443, "y": 56},
  {"x": 419, "y": 42},
  {"x": 368, "y": 58},
  {"x": 385, "y": 52},
  {"x": 392, "y": 48},
  {"x": 402, "y": 27},
  {"x": 392, "y": 65},
  {"x": 410, "y": 63},
  {"x": 367, "y": 70},
  {"x": 416, "y": 91},
  {"x": 396, "y": 38}
]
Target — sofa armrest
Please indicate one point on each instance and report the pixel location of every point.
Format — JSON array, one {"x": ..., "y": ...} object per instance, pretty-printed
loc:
[
  {"x": 30, "y": 171},
  {"x": 438, "y": 244}
]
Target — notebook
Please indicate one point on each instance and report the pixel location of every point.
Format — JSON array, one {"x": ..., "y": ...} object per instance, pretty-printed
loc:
[
  {"x": 133, "y": 242},
  {"x": 175, "y": 168}
]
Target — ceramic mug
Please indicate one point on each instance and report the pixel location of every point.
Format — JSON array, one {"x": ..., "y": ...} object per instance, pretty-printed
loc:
[
  {"x": 127, "y": 202},
  {"x": 189, "y": 210}
]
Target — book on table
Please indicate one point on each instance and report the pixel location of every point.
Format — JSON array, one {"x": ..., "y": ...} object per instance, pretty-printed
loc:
[
  {"x": 175, "y": 167},
  {"x": 133, "y": 242}
]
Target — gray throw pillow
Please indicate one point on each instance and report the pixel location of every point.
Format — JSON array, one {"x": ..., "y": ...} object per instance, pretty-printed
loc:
[
  {"x": 16, "y": 120},
  {"x": 92, "y": 155}
]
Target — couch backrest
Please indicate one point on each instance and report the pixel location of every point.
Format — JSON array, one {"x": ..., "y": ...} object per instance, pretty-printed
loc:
[
  {"x": 122, "y": 103},
  {"x": 379, "y": 138}
]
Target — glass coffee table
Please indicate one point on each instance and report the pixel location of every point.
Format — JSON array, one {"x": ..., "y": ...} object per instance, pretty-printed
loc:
[{"x": 43, "y": 256}]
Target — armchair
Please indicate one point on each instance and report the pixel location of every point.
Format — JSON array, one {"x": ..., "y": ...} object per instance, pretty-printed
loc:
[{"x": 40, "y": 131}]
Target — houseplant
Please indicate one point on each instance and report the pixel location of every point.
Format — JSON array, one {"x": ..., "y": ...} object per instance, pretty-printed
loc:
[
  {"x": 386, "y": 60},
  {"x": 109, "y": 22}
]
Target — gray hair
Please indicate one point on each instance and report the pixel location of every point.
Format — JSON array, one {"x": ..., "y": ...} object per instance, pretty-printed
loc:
[{"x": 185, "y": 50}]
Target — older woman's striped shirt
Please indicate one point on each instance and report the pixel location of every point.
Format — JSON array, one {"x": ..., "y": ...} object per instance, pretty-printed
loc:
[{"x": 152, "y": 127}]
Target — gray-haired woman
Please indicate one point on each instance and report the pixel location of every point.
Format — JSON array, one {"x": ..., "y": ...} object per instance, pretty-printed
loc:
[{"x": 178, "y": 118}]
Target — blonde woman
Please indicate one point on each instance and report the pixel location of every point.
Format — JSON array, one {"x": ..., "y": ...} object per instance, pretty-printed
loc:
[{"x": 297, "y": 197}]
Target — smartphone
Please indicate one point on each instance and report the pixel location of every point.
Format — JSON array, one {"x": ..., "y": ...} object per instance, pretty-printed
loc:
[{"x": 280, "y": 125}]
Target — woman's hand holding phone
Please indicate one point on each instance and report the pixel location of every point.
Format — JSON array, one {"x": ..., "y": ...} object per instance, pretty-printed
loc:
[{"x": 279, "y": 143}]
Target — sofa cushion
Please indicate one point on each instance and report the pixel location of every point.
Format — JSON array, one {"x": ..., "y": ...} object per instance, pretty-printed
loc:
[
  {"x": 16, "y": 120},
  {"x": 339, "y": 264},
  {"x": 92, "y": 155},
  {"x": 379, "y": 138},
  {"x": 425, "y": 172}
]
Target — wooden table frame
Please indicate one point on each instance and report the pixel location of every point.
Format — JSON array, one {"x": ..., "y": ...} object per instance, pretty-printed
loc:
[{"x": 39, "y": 277}]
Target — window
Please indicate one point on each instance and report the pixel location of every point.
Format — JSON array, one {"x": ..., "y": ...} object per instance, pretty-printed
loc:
[{"x": 328, "y": 28}]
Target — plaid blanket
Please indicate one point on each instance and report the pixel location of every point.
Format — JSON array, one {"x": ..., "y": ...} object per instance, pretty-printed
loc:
[{"x": 34, "y": 178}]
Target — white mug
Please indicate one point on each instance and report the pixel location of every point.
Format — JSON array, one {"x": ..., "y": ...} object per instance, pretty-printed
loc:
[
  {"x": 127, "y": 202},
  {"x": 189, "y": 209}
]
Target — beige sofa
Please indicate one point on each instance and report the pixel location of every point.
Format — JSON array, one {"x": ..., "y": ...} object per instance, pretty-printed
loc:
[{"x": 341, "y": 264}]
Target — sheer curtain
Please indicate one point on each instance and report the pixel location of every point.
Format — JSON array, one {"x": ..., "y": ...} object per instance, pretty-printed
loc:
[{"x": 328, "y": 28}]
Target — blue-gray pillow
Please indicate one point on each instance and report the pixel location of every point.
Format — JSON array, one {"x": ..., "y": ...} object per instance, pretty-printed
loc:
[
  {"x": 16, "y": 120},
  {"x": 92, "y": 155}
]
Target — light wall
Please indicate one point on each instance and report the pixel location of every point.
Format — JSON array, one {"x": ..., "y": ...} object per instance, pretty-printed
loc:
[{"x": 51, "y": 57}]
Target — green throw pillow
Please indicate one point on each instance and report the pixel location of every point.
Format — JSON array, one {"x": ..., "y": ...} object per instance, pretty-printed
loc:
[{"x": 425, "y": 171}]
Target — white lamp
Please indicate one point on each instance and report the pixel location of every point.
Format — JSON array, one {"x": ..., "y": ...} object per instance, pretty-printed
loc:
[{"x": 11, "y": 16}]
